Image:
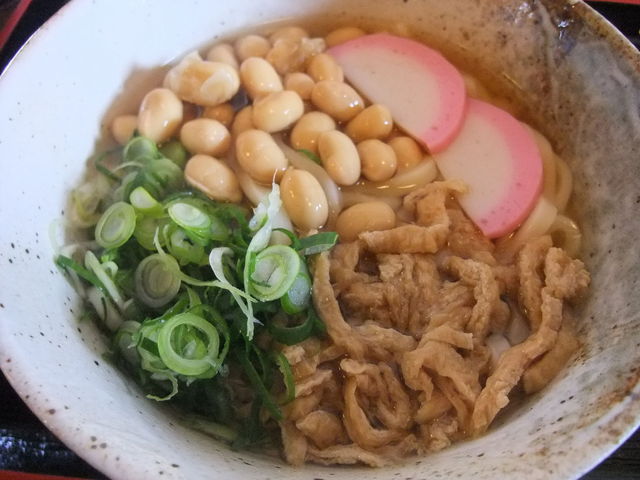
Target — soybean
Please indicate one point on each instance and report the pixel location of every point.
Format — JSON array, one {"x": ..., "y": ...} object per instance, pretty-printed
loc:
[
  {"x": 204, "y": 135},
  {"x": 212, "y": 177},
  {"x": 160, "y": 115},
  {"x": 337, "y": 99},
  {"x": 259, "y": 77},
  {"x": 223, "y": 113},
  {"x": 202, "y": 82},
  {"x": 223, "y": 53},
  {"x": 259, "y": 155},
  {"x": 277, "y": 111},
  {"x": 122, "y": 128},
  {"x": 243, "y": 121},
  {"x": 251, "y": 46},
  {"x": 299, "y": 82},
  {"x": 364, "y": 217},
  {"x": 375, "y": 121},
  {"x": 289, "y": 56},
  {"x": 408, "y": 152},
  {"x": 324, "y": 67},
  {"x": 290, "y": 34},
  {"x": 378, "y": 160},
  {"x": 304, "y": 199},
  {"x": 305, "y": 133},
  {"x": 339, "y": 157},
  {"x": 344, "y": 34}
]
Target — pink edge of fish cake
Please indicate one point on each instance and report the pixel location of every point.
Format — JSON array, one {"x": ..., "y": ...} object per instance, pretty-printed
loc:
[
  {"x": 500, "y": 162},
  {"x": 424, "y": 92}
]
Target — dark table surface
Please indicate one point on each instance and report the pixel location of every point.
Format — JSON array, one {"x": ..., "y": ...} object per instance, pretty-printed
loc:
[{"x": 27, "y": 446}]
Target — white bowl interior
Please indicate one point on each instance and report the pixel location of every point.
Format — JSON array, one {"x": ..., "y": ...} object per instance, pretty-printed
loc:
[{"x": 564, "y": 65}]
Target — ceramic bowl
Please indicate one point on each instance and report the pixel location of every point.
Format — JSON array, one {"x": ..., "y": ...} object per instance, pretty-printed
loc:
[{"x": 576, "y": 79}]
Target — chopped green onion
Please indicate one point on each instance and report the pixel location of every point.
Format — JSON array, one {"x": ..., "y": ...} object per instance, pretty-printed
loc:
[
  {"x": 124, "y": 342},
  {"x": 139, "y": 147},
  {"x": 319, "y": 328},
  {"x": 189, "y": 280},
  {"x": 165, "y": 376},
  {"x": 287, "y": 375},
  {"x": 215, "y": 262},
  {"x": 145, "y": 231},
  {"x": 276, "y": 268},
  {"x": 293, "y": 335},
  {"x": 195, "y": 222},
  {"x": 317, "y": 243},
  {"x": 179, "y": 307},
  {"x": 116, "y": 225},
  {"x": 257, "y": 383},
  {"x": 178, "y": 345},
  {"x": 175, "y": 151},
  {"x": 86, "y": 200},
  {"x": 133, "y": 310},
  {"x": 293, "y": 238},
  {"x": 154, "y": 237},
  {"x": 265, "y": 369},
  {"x": 214, "y": 429},
  {"x": 234, "y": 217},
  {"x": 67, "y": 263},
  {"x": 104, "y": 308},
  {"x": 144, "y": 202},
  {"x": 93, "y": 264},
  {"x": 194, "y": 299},
  {"x": 214, "y": 318},
  {"x": 126, "y": 185},
  {"x": 156, "y": 280},
  {"x": 158, "y": 176},
  {"x": 297, "y": 298},
  {"x": 100, "y": 166},
  {"x": 218, "y": 230},
  {"x": 182, "y": 248},
  {"x": 310, "y": 155}
]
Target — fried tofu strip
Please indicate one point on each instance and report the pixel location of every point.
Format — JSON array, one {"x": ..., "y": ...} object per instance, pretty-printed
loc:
[{"x": 429, "y": 235}]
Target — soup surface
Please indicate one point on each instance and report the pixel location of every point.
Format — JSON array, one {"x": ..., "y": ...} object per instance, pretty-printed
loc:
[{"x": 408, "y": 265}]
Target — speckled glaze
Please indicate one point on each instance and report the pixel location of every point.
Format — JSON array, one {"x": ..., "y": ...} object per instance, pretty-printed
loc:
[{"x": 577, "y": 80}]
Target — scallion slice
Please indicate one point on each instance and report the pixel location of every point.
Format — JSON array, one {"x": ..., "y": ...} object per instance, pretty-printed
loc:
[
  {"x": 310, "y": 155},
  {"x": 105, "y": 309},
  {"x": 68, "y": 264},
  {"x": 139, "y": 147},
  {"x": 182, "y": 248},
  {"x": 116, "y": 225},
  {"x": 158, "y": 176},
  {"x": 87, "y": 199},
  {"x": 296, "y": 334},
  {"x": 287, "y": 375},
  {"x": 317, "y": 243},
  {"x": 297, "y": 298},
  {"x": 123, "y": 341},
  {"x": 93, "y": 264},
  {"x": 143, "y": 201},
  {"x": 257, "y": 383},
  {"x": 218, "y": 230},
  {"x": 145, "y": 231},
  {"x": 189, "y": 217},
  {"x": 275, "y": 270},
  {"x": 242, "y": 298},
  {"x": 214, "y": 429},
  {"x": 175, "y": 152},
  {"x": 156, "y": 280},
  {"x": 178, "y": 342}
]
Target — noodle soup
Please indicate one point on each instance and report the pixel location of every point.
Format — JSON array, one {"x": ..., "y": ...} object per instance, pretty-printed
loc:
[{"x": 292, "y": 262}]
